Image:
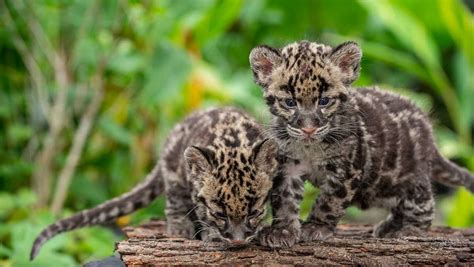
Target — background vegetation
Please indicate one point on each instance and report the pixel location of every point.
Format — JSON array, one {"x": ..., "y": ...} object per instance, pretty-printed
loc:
[{"x": 90, "y": 88}]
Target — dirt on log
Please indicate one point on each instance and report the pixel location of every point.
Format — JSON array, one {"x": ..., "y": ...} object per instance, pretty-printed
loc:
[{"x": 352, "y": 245}]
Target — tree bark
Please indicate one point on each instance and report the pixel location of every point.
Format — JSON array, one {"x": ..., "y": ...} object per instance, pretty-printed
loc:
[{"x": 352, "y": 245}]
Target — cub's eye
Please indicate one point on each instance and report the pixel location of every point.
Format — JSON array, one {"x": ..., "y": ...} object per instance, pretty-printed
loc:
[
  {"x": 323, "y": 101},
  {"x": 290, "y": 103}
]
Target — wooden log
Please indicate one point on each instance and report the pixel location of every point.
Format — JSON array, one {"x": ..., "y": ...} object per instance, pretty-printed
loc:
[{"x": 352, "y": 245}]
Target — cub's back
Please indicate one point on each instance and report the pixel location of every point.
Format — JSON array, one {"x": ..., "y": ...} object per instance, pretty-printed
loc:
[{"x": 399, "y": 132}]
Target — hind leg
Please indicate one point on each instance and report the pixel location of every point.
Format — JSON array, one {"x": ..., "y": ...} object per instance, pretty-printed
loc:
[{"x": 411, "y": 217}]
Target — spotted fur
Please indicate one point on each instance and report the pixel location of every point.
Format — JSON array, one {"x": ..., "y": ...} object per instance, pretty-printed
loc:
[
  {"x": 216, "y": 172},
  {"x": 366, "y": 146}
]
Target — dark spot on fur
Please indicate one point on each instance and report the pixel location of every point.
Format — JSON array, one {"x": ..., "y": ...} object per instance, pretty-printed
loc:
[
  {"x": 243, "y": 159},
  {"x": 346, "y": 204},
  {"x": 270, "y": 100},
  {"x": 341, "y": 192},
  {"x": 342, "y": 97},
  {"x": 276, "y": 202},
  {"x": 252, "y": 132},
  {"x": 325, "y": 207},
  {"x": 331, "y": 167},
  {"x": 324, "y": 85},
  {"x": 355, "y": 184},
  {"x": 305, "y": 177}
]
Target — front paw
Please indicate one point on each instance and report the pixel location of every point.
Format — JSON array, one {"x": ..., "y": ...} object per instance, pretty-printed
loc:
[
  {"x": 211, "y": 235},
  {"x": 408, "y": 230},
  {"x": 311, "y": 232},
  {"x": 278, "y": 237}
]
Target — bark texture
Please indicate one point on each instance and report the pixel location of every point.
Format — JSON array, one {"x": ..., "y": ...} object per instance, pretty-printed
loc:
[{"x": 352, "y": 245}]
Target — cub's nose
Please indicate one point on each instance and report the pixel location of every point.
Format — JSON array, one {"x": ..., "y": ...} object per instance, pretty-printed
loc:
[{"x": 308, "y": 130}]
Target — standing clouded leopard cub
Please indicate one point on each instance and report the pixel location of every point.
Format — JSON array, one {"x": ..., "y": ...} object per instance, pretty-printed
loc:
[
  {"x": 216, "y": 171},
  {"x": 360, "y": 146}
]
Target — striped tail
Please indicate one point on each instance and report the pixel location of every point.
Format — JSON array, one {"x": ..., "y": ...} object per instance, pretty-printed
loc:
[
  {"x": 450, "y": 174},
  {"x": 140, "y": 196}
]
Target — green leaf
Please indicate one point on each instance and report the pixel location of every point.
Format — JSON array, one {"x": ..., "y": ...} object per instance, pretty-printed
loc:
[
  {"x": 462, "y": 211},
  {"x": 5, "y": 252},
  {"x": 309, "y": 197},
  {"x": 23, "y": 234},
  {"x": 460, "y": 24},
  {"x": 154, "y": 210},
  {"x": 408, "y": 30},
  {"x": 381, "y": 52},
  {"x": 25, "y": 198},
  {"x": 464, "y": 81},
  {"x": 7, "y": 203},
  {"x": 115, "y": 131},
  {"x": 217, "y": 19},
  {"x": 415, "y": 37},
  {"x": 400, "y": 59},
  {"x": 450, "y": 145},
  {"x": 19, "y": 132},
  {"x": 126, "y": 63},
  {"x": 168, "y": 70}
]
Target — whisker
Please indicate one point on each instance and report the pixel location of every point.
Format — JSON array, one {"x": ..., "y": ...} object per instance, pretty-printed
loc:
[
  {"x": 192, "y": 209},
  {"x": 202, "y": 223},
  {"x": 199, "y": 231}
]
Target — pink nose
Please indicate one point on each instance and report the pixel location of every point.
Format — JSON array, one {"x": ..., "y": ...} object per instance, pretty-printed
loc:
[{"x": 308, "y": 130}]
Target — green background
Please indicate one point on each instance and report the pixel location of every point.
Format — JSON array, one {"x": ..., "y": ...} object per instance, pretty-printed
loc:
[{"x": 89, "y": 89}]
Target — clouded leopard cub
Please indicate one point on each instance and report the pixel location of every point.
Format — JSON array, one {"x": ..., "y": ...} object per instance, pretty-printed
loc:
[
  {"x": 360, "y": 146},
  {"x": 216, "y": 171}
]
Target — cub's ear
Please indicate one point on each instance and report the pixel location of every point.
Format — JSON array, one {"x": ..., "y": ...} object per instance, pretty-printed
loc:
[
  {"x": 265, "y": 156},
  {"x": 264, "y": 60},
  {"x": 347, "y": 57},
  {"x": 198, "y": 159}
]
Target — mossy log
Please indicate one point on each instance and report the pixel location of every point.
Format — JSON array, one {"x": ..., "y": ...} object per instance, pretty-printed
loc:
[{"x": 352, "y": 245}]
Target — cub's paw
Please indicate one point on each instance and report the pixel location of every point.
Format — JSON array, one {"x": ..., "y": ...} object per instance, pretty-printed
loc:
[
  {"x": 278, "y": 237},
  {"x": 384, "y": 229},
  {"x": 210, "y": 236},
  {"x": 390, "y": 230},
  {"x": 408, "y": 230},
  {"x": 312, "y": 232}
]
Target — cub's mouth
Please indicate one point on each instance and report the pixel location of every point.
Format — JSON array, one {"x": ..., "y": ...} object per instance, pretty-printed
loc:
[{"x": 306, "y": 137}]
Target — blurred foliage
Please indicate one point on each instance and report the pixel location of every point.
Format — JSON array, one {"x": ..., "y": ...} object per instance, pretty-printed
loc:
[{"x": 159, "y": 60}]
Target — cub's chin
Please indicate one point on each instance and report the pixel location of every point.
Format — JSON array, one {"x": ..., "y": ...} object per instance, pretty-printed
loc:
[
  {"x": 308, "y": 140},
  {"x": 305, "y": 140}
]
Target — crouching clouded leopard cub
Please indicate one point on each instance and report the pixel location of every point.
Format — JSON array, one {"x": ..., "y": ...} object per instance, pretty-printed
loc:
[
  {"x": 364, "y": 146},
  {"x": 216, "y": 172}
]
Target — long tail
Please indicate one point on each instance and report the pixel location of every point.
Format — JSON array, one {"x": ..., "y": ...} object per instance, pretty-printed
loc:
[
  {"x": 448, "y": 173},
  {"x": 138, "y": 197}
]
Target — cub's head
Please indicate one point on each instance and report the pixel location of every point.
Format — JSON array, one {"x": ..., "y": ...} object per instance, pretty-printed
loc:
[
  {"x": 233, "y": 186},
  {"x": 306, "y": 85}
]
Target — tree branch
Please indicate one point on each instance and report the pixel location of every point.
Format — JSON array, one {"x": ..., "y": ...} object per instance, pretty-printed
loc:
[{"x": 352, "y": 245}]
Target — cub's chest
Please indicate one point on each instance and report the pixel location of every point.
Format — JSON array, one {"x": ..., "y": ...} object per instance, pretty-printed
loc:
[{"x": 305, "y": 169}]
